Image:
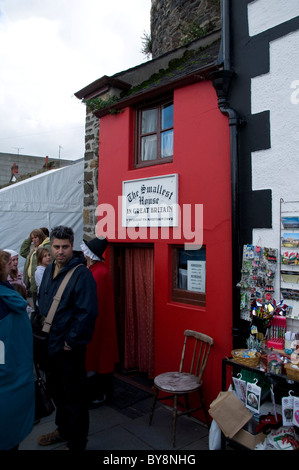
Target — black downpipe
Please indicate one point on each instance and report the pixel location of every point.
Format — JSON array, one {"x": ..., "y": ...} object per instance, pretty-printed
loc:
[{"x": 221, "y": 81}]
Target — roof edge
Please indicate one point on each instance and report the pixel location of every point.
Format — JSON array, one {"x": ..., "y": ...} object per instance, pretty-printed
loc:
[
  {"x": 120, "y": 79},
  {"x": 199, "y": 75},
  {"x": 101, "y": 85}
]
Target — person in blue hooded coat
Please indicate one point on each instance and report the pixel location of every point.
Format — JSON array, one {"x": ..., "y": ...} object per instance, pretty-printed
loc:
[{"x": 17, "y": 391}]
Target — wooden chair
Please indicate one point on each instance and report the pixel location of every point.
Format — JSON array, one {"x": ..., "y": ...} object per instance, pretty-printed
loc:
[{"x": 187, "y": 380}]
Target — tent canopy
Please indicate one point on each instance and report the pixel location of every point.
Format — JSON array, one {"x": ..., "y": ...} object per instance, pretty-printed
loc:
[{"x": 51, "y": 198}]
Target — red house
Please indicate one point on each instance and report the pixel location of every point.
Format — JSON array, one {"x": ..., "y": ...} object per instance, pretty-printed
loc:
[{"x": 164, "y": 195}]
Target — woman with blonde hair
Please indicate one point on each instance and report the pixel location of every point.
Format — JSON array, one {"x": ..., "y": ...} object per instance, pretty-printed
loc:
[
  {"x": 36, "y": 239},
  {"x": 43, "y": 258},
  {"x": 17, "y": 392}
]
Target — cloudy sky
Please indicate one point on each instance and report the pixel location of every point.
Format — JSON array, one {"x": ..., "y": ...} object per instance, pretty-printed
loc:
[{"x": 49, "y": 49}]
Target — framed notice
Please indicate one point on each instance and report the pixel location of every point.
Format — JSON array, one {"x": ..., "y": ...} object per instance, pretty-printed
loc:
[
  {"x": 196, "y": 276},
  {"x": 150, "y": 202}
]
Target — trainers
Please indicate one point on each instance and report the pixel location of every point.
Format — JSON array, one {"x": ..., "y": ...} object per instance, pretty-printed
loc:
[{"x": 51, "y": 438}]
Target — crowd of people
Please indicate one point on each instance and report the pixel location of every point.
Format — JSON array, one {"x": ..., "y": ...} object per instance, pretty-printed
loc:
[{"x": 81, "y": 348}]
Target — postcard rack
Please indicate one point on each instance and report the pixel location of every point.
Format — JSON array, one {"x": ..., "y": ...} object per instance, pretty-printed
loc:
[{"x": 289, "y": 252}]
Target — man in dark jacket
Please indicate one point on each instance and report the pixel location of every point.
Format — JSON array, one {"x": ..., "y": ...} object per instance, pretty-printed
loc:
[{"x": 71, "y": 331}]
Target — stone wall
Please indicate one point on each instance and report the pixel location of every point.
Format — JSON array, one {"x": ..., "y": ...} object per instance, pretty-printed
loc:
[
  {"x": 177, "y": 22},
  {"x": 91, "y": 160}
]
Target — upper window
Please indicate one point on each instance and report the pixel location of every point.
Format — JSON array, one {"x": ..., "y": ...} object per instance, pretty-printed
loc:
[{"x": 154, "y": 134}]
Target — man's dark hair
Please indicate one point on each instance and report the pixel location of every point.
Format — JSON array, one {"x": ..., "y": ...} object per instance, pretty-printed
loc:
[{"x": 62, "y": 233}]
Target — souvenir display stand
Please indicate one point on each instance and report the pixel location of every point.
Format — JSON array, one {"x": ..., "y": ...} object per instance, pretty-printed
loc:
[
  {"x": 258, "y": 273},
  {"x": 265, "y": 375}
]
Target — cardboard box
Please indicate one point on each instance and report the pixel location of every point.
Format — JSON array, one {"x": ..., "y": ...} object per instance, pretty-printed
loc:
[
  {"x": 229, "y": 413},
  {"x": 247, "y": 439},
  {"x": 232, "y": 416}
]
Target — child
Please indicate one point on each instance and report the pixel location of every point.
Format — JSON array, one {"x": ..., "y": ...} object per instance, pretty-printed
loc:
[
  {"x": 14, "y": 275},
  {"x": 43, "y": 258},
  {"x": 23, "y": 291}
]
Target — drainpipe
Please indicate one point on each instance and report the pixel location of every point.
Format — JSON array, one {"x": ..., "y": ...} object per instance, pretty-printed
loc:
[{"x": 221, "y": 81}]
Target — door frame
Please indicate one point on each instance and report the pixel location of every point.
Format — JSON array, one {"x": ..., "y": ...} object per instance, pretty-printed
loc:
[{"x": 117, "y": 258}]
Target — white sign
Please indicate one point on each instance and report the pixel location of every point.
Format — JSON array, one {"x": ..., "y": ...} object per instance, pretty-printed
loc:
[
  {"x": 150, "y": 202},
  {"x": 2, "y": 353},
  {"x": 196, "y": 276}
]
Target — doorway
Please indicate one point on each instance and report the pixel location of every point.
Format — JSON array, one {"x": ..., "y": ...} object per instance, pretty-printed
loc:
[{"x": 133, "y": 277}]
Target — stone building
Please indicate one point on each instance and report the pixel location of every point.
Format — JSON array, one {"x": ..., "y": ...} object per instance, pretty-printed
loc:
[
  {"x": 177, "y": 22},
  {"x": 25, "y": 165}
]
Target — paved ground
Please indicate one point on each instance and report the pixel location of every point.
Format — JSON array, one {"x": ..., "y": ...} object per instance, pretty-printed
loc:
[
  {"x": 122, "y": 425},
  {"x": 112, "y": 429}
]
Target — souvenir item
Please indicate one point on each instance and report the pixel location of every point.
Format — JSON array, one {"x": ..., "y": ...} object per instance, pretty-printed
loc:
[
  {"x": 287, "y": 404},
  {"x": 253, "y": 397}
]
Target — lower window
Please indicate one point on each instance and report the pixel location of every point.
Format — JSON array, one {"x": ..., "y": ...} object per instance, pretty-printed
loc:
[{"x": 189, "y": 275}]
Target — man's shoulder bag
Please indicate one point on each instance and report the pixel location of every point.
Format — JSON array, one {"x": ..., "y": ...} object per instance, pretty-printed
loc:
[{"x": 41, "y": 325}]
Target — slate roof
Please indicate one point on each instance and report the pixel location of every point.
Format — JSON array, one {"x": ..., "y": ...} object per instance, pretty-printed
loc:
[{"x": 188, "y": 65}]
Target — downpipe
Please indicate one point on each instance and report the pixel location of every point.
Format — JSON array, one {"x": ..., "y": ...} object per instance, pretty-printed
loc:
[{"x": 221, "y": 81}]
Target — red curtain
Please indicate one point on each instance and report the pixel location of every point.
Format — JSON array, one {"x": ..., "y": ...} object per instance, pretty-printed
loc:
[{"x": 139, "y": 316}]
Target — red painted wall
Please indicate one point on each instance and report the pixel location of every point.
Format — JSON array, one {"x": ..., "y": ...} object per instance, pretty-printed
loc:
[{"x": 202, "y": 161}]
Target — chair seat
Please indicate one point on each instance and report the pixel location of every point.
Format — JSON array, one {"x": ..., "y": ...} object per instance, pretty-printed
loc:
[{"x": 177, "y": 382}]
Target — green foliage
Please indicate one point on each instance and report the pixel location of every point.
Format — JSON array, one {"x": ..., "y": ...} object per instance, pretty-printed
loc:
[
  {"x": 95, "y": 104},
  {"x": 147, "y": 44},
  {"x": 194, "y": 31}
]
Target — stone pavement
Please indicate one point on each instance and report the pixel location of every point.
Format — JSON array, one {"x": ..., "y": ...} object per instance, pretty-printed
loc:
[{"x": 126, "y": 428}]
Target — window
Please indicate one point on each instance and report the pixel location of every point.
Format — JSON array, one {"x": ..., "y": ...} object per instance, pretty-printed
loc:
[
  {"x": 189, "y": 275},
  {"x": 154, "y": 134}
]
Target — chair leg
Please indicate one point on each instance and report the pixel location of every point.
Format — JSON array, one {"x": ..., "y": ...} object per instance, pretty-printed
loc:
[
  {"x": 207, "y": 417},
  {"x": 187, "y": 403},
  {"x": 153, "y": 406},
  {"x": 174, "y": 416}
]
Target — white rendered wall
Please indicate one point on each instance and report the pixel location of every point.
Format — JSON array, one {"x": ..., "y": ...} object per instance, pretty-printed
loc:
[
  {"x": 277, "y": 168},
  {"x": 265, "y": 14}
]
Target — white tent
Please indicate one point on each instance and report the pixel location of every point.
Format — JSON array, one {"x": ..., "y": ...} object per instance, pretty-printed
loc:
[{"x": 52, "y": 198}]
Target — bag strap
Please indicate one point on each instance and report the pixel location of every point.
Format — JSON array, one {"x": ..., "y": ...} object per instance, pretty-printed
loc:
[
  {"x": 37, "y": 371},
  {"x": 56, "y": 299}
]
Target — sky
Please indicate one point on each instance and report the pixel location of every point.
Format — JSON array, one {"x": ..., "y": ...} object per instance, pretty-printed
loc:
[{"x": 49, "y": 50}]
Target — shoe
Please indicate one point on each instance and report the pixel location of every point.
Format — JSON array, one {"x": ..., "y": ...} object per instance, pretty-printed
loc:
[
  {"x": 51, "y": 438},
  {"x": 95, "y": 403}
]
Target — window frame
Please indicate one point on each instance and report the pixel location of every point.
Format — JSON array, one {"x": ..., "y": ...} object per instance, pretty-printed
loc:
[
  {"x": 182, "y": 295},
  {"x": 138, "y": 163}
]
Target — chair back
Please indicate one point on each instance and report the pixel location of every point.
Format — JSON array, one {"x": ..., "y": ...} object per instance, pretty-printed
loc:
[{"x": 195, "y": 361}]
